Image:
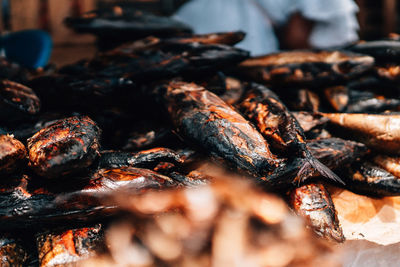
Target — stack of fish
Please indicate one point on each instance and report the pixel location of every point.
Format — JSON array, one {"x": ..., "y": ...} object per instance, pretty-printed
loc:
[{"x": 146, "y": 115}]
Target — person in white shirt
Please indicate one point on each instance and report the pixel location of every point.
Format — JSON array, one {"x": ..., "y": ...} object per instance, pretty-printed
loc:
[{"x": 272, "y": 25}]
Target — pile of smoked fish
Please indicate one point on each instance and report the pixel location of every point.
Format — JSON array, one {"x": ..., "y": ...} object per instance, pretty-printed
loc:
[{"x": 183, "y": 150}]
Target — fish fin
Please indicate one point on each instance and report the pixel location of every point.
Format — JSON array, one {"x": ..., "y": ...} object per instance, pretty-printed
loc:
[
  {"x": 304, "y": 172},
  {"x": 323, "y": 170}
]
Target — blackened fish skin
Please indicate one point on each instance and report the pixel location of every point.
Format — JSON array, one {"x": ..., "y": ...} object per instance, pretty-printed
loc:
[
  {"x": 70, "y": 246},
  {"x": 335, "y": 153},
  {"x": 17, "y": 102},
  {"x": 382, "y": 50},
  {"x": 203, "y": 118},
  {"x": 106, "y": 24},
  {"x": 65, "y": 147},
  {"x": 306, "y": 67},
  {"x": 26, "y": 205},
  {"x": 12, "y": 252},
  {"x": 281, "y": 129},
  {"x": 142, "y": 159},
  {"x": 314, "y": 203},
  {"x": 12, "y": 154},
  {"x": 369, "y": 179}
]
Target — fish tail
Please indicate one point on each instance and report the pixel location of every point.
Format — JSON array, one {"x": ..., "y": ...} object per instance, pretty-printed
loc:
[
  {"x": 323, "y": 170},
  {"x": 304, "y": 172}
]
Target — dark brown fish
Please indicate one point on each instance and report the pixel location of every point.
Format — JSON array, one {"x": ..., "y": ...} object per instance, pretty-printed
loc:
[
  {"x": 12, "y": 252},
  {"x": 307, "y": 68},
  {"x": 115, "y": 73},
  {"x": 25, "y": 129},
  {"x": 364, "y": 101},
  {"x": 314, "y": 203},
  {"x": 368, "y": 99},
  {"x": 80, "y": 91},
  {"x": 369, "y": 179},
  {"x": 17, "y": 101},
  {"x": 378, "y": 131},
  {"x": 180, "y": 42},
  {"x": 281, "y": 129},
  {"x": 67, "y": 248},
  {"x": 108, "y": 179},
  {"x": 25, "y": 203},
  {"x": 204, "y": 119},
  {"x": 381, "y": 50},
  {"x": 335, "y": 153},
  {"x": 65, "y": 147},
  {"x": 21, "y": 205},
  {"x": 117, "y": 25},
  {"x": 12, "y": 154},
  {"x": 143, "y": 159}
]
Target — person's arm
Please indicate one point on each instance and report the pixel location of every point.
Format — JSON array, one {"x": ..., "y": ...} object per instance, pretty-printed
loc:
[{"x": 295, "y": 34}]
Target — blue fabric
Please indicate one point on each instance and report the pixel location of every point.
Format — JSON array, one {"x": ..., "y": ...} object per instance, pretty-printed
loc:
[{"x": 29, "y": 48}]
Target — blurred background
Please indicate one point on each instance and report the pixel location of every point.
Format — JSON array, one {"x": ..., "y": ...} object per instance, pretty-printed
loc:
[{"x": 376, "y": 18}]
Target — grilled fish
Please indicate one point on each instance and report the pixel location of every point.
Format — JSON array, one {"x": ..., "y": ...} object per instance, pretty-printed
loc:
[
  {"x": 314, "y": 203},
  {"x": 204, "y": 119},
  {"x": 281, "y": 129},
  {"x": 65, "y": 147},
  {"x": 369, "y": 179},
  {"x": 380, "y": 132},
  {"x": 306, "y": 68}
]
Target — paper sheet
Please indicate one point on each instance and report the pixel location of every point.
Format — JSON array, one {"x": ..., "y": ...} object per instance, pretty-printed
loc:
[{"x": 363, "y": 218}]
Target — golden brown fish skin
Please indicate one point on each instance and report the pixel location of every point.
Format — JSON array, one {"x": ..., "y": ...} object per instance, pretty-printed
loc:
[
  {"x": 154, "y": 43},
  {"x": 338, "y": 97},
  {"x": 272, "y": 118},
  {"x": 12, "y": 252},
  {"x": 204, "y": 119},
  {"x": 69, "y": 247},
  {"x": 12, "y": 154},
  {"x": 378, "y": 131},
  {"x": 305, "y": 67},
  {"x": 67, "y": 146},
  {"x": 17, "y": 101},
  {"x": 390, "y": 164},
  {"x": 109, "y": 179},
  {"x": 227, "y": 38},
  {"x": 369, "y": 179},
  {"x": 314, "y": 203},
  {"x": 389, "y": 72},
  {"x": 281, "y": 129}
]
